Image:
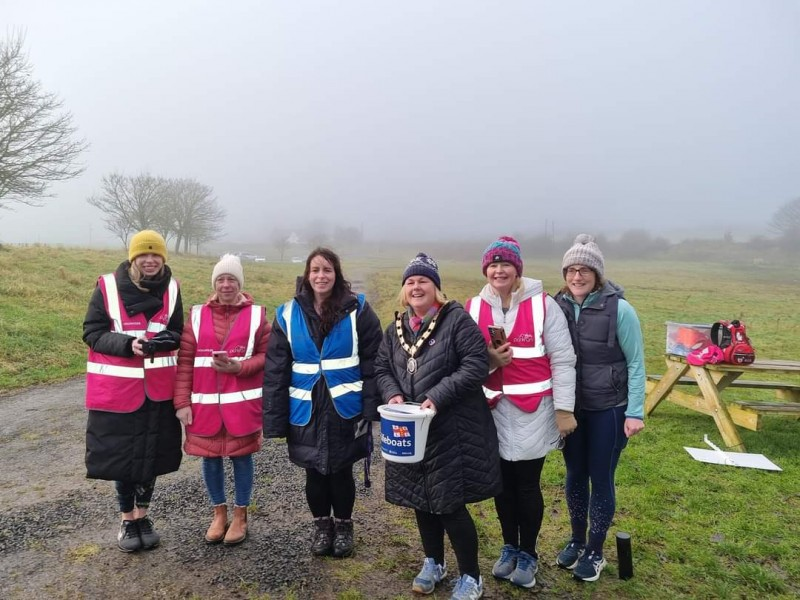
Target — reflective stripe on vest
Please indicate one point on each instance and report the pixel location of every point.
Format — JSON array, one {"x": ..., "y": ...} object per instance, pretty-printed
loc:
[
  {"x": 338, "y": 363},
  {"x": 227, "y": 398}
]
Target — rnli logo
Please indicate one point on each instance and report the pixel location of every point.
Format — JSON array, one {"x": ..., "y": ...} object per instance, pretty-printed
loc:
[{"x": 400, "y": 431}]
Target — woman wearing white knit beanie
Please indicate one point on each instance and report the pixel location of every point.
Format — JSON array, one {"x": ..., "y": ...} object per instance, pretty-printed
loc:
[{"x": 218, "y": 393}]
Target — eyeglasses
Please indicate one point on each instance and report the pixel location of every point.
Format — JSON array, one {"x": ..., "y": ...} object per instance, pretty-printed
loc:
[{"x": 583, "y": 271}]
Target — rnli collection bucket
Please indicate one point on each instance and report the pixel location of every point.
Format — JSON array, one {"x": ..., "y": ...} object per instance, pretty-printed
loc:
[{"x": 404, "y": 431}]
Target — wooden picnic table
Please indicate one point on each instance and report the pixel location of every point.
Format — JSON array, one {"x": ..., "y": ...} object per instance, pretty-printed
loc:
[{"x": 713, "y": 379}]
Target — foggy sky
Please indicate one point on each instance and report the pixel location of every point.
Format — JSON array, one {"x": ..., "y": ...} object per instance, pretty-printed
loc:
[{"x": 428, "y": 119}]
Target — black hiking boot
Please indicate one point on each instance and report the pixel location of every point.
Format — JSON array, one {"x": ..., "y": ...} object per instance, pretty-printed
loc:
[
  {"x": 322, "y": 537},
  {"x": 343, "y": 540}
]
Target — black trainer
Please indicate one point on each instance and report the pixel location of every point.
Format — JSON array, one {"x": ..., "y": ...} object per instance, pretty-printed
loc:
[
  {"x": 148, "y": 534},
  {"x": 128, "y": 539}
]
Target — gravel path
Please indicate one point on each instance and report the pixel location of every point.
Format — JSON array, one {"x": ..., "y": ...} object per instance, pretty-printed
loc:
[{"x": 57, "y": 528}]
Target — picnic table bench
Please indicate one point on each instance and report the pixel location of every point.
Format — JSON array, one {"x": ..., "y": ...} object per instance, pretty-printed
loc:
[{"x": 713, "y": 379}]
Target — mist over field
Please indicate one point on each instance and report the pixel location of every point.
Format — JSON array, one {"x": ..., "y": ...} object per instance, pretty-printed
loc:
[{"x": 386, "y": 122}]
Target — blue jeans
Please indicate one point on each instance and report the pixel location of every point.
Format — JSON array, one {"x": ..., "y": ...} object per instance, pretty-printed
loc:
[
  {"x": 214, "y": 477},
  {"x": 591, "y": 454}
]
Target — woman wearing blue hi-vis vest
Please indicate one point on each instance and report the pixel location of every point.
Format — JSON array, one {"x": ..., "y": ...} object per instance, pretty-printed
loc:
[{"x": 320, "y": 392}]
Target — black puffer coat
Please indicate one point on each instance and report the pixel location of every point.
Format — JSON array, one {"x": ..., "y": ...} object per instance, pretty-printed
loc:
[
  {"x": 328, "y": 443},
  {"x": 137, "y": 446},
  {"x": 462, "y": 462}
]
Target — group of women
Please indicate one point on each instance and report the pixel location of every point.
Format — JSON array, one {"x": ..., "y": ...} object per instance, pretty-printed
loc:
[{"x": 564, "y": 373}]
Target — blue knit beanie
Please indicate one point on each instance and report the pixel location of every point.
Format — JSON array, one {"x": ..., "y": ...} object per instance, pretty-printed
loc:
[{"x": 424, "y": 265}]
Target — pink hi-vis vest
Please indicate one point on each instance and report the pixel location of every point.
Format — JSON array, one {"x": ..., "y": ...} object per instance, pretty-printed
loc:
[
  {"x": 527, "y": 379},
  {"x": 223, "y": 398},
  {"x": 120, "y": 383}
]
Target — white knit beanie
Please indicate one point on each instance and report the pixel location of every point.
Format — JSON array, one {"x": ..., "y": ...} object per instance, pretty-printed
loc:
[
  {"x": 586, "y": 252},
  {"x": 228, "y": 265}
]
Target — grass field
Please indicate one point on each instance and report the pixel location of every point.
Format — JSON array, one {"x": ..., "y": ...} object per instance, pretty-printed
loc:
[{"x": 699, "y": 531}]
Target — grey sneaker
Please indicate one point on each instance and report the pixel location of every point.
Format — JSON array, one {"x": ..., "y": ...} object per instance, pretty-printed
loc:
[
  {"x": 148, "y": 534},
  {"x": 589, "y": 567},
  {"x": 507, "y": 562},
  {"x": 431, "y": 574},
  {"x": 568, "y": 557},
  {"x": 467, "y": 588},
  {"x": 525, "y": 573},
  {"x": 128, "y": 539}
]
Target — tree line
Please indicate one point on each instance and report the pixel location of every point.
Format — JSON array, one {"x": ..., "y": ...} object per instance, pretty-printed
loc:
[{"x": 184, "y": 211}]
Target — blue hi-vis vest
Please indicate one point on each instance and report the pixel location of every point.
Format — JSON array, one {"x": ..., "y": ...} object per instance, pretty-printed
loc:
[{"x": 338, "y": 363}]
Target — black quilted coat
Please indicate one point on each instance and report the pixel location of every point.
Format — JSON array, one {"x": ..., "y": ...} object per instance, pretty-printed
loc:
[{"x": 462, "y": 463}]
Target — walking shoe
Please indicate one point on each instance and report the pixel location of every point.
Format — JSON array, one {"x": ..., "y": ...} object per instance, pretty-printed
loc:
[
  {"x": 322, "y": 537},
  {"x": 525, "y": 573},
  {"x": 589, "y": 567},
  {"x": 429, "y": 576},
  {"x": 467, "y": 588},
  {"x": 568, "y": 557},
  {"x": 150, "y": 538},
  {"x": 507, "y": 562},
  {"x": 128, "y": 538},
  {"x": 343, "y": 538}
]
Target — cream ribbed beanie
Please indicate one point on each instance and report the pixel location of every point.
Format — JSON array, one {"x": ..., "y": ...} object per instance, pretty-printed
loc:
[{"x": 231, "y": 265}]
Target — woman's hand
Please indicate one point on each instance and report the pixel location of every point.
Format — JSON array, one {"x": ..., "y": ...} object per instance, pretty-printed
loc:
[
  {"x": 500, "y": 356},
  {"x": 428, "y": 404},
  {"x": 184, "y": 415},
  {"x": 633, "y": 426},
  {"x": 225, "y": 364},
  {"x": 136, "y": 346},
  {"x": 397, "y": 399}
]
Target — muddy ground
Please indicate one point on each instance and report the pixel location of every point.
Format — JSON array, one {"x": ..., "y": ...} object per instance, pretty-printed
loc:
[{"x": 58, "y": 529}]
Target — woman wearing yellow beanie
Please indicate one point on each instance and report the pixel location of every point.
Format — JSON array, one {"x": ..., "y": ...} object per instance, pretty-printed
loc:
[{"x": 133, "y": 328}]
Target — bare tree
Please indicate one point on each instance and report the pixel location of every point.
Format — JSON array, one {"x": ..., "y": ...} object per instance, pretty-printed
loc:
[
  {"x": 37, "y": 144},
  {"x": 133, "y": 203},
  {"x": 195, "y": 215},
  {"x": 785, "y": 223},
  {"x": 280, "y": 241}
]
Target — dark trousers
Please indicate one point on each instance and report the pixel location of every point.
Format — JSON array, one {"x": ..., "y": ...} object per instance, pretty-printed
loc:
[
  {"x": 334, "y": 491},
  {"x": 591, "y": 454},
  {"x": 130, "y": 494},
  {"x": 463, "y": 537},
  {"x": 520, "y": 506}
]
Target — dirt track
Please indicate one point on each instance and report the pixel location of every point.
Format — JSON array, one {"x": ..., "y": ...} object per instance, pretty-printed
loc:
[{"x": 57, "y": 529}]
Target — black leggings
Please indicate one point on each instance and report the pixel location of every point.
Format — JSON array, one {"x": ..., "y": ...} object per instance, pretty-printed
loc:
[
  {"x": 130, "y": 494},
  {"x": 463, "y": 537},
  {"x": 335, "y": 491},
  {"x": 520, "y": 506}
]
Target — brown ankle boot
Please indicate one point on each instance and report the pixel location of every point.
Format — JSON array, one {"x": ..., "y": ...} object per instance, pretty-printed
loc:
[
  {"x": 237, "y": 532},
  {"x": 216, "y": 531}
]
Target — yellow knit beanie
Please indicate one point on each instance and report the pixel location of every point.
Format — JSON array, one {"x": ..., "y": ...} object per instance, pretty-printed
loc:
[{"x": 147, "y": 241}]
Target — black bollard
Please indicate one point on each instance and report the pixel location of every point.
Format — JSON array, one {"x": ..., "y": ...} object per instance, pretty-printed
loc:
[{"x": 624, "y": 555}]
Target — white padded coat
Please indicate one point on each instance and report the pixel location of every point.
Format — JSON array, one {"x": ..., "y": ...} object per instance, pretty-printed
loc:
[{"x": 523, "y": 435}]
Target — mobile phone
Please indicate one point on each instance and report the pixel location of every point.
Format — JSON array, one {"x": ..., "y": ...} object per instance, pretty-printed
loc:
[
  {"x": 219, "y": 353},
  {"x": 497, "y": 335}
]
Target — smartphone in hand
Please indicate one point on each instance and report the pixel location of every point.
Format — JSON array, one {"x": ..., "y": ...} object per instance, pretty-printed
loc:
[
  {"x": 221, "y": 354},
  {"x": 497, "y": 335}
]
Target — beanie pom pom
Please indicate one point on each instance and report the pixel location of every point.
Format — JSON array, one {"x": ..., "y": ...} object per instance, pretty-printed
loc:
[{"x": 583, "y": 238}]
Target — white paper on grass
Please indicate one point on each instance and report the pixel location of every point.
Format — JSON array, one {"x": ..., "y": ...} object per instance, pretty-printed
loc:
[{"x": 715, "y": 456}]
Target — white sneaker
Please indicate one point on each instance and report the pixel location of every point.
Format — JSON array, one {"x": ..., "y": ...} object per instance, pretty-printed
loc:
[
  {"x": 467, "y": 588},
  {"x": 431, "y": 574}
]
